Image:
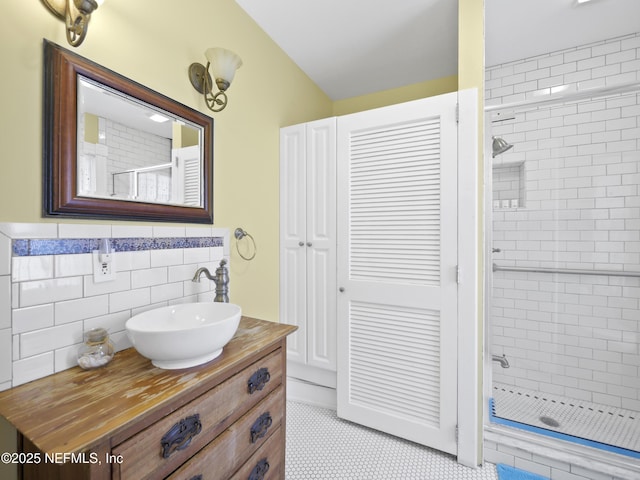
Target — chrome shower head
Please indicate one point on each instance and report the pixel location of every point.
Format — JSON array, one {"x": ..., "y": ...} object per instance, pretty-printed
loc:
[{"x": 500, "y": 146}]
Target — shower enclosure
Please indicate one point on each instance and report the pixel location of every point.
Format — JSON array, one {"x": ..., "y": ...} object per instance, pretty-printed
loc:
[{"x": 563, "y": 293}]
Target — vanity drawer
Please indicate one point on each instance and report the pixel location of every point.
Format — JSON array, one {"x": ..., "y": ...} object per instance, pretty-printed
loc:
[
  {"x": 224, "y": 455},
  {"x": 267, "y": 463},
  {"x": 162, "y": 447}
]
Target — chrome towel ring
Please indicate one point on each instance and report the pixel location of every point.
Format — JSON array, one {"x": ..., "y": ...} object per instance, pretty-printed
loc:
[{"x": 240, "y": 234}]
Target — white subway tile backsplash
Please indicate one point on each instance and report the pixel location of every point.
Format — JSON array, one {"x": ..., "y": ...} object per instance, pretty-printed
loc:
[{"x": 48, "y": 297}]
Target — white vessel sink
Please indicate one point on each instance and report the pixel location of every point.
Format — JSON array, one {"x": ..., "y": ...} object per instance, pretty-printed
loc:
[{"x": 184, "y": 335}]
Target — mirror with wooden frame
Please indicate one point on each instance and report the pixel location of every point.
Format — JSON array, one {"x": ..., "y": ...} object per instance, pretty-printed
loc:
[{"x": 115, "y": 149}]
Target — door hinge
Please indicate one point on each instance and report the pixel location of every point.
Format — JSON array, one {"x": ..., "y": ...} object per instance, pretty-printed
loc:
[
  {"x": 458, "y": 274},
  {"x": 457, "y": 113},
  {"x": 456, "y": 433}
]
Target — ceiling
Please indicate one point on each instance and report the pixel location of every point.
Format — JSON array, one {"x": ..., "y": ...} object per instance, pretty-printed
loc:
[{"x": 355, "y": 47}]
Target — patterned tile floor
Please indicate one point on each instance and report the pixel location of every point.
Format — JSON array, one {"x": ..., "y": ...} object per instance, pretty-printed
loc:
[{"x": 321, "y": 446}]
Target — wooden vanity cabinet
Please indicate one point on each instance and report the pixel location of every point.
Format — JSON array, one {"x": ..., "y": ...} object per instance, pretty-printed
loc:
[{"x": 133, "y": 421}]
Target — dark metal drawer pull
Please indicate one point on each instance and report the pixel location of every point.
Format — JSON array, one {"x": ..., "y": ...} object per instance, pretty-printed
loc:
[
  {"x": 258, "y": 380},
  {"x": 196, "y": 477},
  {"x": 260, "y": 427},
  {"x": 180, "y": 435},
  {"x": 260, "y": 470}
]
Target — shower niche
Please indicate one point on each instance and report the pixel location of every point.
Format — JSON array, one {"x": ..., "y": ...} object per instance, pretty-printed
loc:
[{"x": 508, "y": 185}]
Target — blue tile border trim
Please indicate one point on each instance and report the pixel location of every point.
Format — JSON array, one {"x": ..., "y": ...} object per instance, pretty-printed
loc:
[
  {"x": 35, "y": 247},
  {"x": 562, "y": 436}
]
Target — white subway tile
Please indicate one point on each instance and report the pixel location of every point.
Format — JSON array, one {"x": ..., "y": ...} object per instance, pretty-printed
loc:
[
  {"x": 5, "y": 255},
  {"x": 73, "y": 265},
  {"x": 81, "y": 309},
  {"x": 131, "y": 231},
  {"x": 48, "y": 339},
  {"x": 29, "y": 230},
  {"x": 78, "y": 230},
  {"x": 32, "y": 268},
  {"x": 32, "y": 368},
  {"x": 113, "y": 322},
  {"x": 129, "y": 299},
  {"x": 164, "y": 258},
  {"x": 5, "y": 355},
  {"x": 47, "y": 291},
  {"x": 66, "y": 357},
  {"x": 161, "y": 232},
  {"x": 5, "y": 301},
  {"x": 149, "y": 277},
  {"x": 168, "y": 291},
  {"x": 120, "y": 284},
  {"x": 32, "y": 318}
]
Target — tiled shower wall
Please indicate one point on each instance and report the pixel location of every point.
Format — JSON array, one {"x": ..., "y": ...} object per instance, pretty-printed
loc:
[
  {"x": 568, "y": 195},
  {"x": 48, "y": 297}
]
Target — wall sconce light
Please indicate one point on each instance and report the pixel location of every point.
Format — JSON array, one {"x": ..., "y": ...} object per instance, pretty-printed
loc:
[
  {"x": 76, "y": 15},
  {"x": 224, "y": 64}
]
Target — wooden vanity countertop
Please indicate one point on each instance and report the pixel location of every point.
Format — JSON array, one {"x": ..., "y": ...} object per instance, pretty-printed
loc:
[{"x": 75, "y": 410}]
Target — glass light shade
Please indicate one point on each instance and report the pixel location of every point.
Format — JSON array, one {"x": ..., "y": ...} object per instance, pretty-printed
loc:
[{"x": 224, "y": 63}]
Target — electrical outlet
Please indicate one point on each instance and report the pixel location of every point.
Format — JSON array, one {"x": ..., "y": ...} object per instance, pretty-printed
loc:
[{"x": 103, "y": 271}]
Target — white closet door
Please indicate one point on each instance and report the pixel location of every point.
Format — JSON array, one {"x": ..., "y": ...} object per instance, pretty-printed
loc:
[
  {"x": 186, "y": 179},
  {"x": 293, "y": 265},
  {"x": 321, "y": 243},
  {"x": 397, "y": 255}
]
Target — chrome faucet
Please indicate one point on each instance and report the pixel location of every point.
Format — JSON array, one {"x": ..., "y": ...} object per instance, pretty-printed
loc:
[
  {"x": 221, "y": 279},
  {"x": 502, "y": 360}
]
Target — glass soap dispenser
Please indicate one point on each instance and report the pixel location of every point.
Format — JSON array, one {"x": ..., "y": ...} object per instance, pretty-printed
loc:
[{"x": 97, "y": 350}]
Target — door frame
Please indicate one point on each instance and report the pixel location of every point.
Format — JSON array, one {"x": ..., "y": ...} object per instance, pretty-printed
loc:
[{"x": 470, "y": 301}]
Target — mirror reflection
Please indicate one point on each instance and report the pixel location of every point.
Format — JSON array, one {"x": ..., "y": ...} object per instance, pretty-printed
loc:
[{"x": 130, "y": 150}]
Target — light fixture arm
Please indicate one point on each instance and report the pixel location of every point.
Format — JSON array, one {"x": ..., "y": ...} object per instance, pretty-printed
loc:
[
  {"x": 215, "y": 101},
  {"x": 77, "y": 24},
  {"x": 76, "y": 15}
]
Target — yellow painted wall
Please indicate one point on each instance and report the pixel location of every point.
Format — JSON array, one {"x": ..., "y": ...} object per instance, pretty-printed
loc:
[
  {"x": 269, "y": 91},
  {"x": 153, "y": 42},
  {"x": 397, "y": 95}
]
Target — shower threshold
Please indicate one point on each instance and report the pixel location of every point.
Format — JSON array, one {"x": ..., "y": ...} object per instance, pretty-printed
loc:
[{"x": 599, "y": 426}]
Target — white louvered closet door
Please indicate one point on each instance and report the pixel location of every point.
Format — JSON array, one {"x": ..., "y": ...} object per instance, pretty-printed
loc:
[
  {"x": 397, "y": 255},
  {"x": 186, "y": 176}
]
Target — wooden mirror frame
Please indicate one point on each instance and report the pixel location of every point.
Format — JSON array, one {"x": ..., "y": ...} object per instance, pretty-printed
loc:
[{"x": 61, "y": 69}]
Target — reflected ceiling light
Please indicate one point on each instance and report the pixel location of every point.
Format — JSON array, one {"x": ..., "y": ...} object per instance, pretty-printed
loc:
[
  {"x": 76, "y": 15},
  {"x": 224, "y": 64},
  {"x": 156, "y": 117},
  {"x": 500, "y": 146}
]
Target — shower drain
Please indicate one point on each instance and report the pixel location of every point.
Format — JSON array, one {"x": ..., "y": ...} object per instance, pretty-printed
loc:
[{"x": 549, "y": 421}]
